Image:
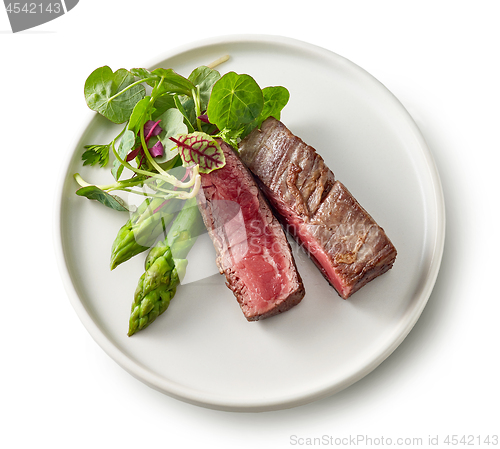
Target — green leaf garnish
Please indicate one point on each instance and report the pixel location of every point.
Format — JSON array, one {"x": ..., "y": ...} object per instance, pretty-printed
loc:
[
  {"x": 161, "y": 104},
  {"x": 172, "y": 123},
  {"x": 275, "y": 99},
  {"x": 96, "y": 154},
  {"x": 204, "y": 79},
  {"x": 95, "y": 193},
  {"x": 182, "y": 110},
  {"x": 127, "y": 143},
  {"x": 172, "y": 83},
  {"x": 113, "y": 94},
  {"x": 139, "y": 115},
  {"x": 235, "y": 101}
]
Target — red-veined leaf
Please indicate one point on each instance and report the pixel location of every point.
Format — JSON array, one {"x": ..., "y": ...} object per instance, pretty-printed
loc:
[{"x": 202, "y": 149}]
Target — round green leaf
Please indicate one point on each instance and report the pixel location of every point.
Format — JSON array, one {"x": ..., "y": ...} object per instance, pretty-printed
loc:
[
  {"x": 235, "y": 101},
  {"x": 109, "y": 93}
]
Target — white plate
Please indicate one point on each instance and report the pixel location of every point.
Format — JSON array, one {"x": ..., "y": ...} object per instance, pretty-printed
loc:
[{"x": 202, "y": 350}]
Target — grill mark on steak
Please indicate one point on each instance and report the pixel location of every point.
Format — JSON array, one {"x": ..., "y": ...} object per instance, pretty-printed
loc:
[
  {"x": 291, "y": 182},
  {"x": 340, "y": 236},
  {"x": 252, "y": 250}
]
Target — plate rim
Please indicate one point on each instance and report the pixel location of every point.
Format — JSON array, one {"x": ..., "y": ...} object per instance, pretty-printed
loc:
[{"x": 185, "y": 394}]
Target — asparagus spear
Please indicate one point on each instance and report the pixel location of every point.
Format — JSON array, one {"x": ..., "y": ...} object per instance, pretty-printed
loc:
[
  {"x": 165, "y": 267},
  {"x": 142, "y": 229}
]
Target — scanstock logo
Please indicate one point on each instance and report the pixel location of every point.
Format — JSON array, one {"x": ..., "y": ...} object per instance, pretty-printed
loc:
[{"x": 25, "y": 15}]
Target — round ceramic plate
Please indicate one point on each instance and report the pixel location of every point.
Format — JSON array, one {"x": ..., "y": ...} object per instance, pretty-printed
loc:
[{"x": 202, "y": 350}]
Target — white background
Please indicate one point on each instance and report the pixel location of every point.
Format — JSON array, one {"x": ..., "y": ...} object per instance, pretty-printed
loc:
[{"x": 440, "y": 58}]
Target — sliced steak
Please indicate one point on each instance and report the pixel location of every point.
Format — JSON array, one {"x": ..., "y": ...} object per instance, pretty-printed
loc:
[
  {"x": 342, "y": 239},
  {"x": 251, "y": 246}
]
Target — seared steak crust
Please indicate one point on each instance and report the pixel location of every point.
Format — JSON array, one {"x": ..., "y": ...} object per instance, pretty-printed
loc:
[
  {"x": 342, "y": 239},
  {"x": 252, "y": 250}
]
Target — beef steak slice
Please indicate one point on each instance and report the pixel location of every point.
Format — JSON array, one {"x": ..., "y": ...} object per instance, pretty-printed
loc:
[
  {"x": 340, "y": 236},
  {"x": 252, "y": 250}
]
